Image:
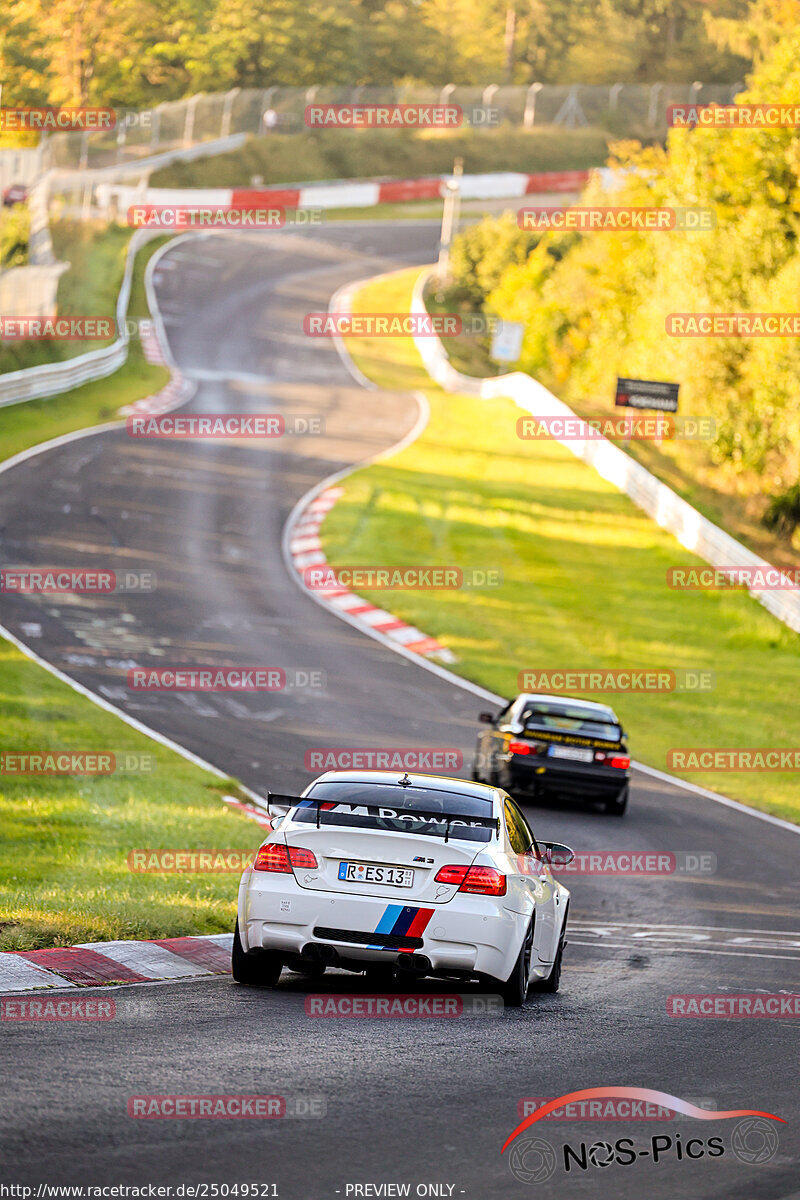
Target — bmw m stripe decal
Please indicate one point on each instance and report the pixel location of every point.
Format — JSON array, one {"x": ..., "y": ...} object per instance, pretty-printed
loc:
[{"x": 403, "y": 919}]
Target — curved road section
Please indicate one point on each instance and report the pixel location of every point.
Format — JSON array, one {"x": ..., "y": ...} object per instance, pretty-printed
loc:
[{"x": 374, "y": 1103}]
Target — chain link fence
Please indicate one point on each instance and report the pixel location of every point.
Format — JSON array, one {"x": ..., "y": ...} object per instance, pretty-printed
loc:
[{"x": 624, "y": 109}]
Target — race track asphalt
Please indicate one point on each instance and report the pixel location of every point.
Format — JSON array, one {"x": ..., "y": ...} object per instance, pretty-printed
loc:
[{"x": 405, "y": 1101}]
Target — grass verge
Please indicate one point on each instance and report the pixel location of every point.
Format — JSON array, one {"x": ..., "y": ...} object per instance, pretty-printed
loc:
[
  {"x": 583, "y": 575},
  {"x": 735, "y": 503},
  {"x": 32, "y": 421},
  {"x": 96, "y": 254},
  {"x": 367, "y": 154},
  {"x": 64, "y": 841}
]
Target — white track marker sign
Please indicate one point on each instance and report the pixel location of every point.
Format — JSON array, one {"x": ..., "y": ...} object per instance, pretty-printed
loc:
[{"x": 507, "y": 341}]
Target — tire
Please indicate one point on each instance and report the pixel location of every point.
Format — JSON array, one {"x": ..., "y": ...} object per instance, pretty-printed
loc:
[
  {"x": 551, "y": 984},
  {"x": 515, "y": 989},
  {"x": 262, "y": 969},
  {"x": 617, "y": 807}
]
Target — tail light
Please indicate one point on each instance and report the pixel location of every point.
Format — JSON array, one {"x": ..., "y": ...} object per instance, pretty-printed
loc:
[
  {"x": 478, "y": 881},
  {"x": 520, "y": 748},
  {"x": 622, "y": 762},
  {"x": 274, "y": 856}
]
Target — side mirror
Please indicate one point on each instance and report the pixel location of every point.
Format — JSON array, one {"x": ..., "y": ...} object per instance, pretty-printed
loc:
[
  {"x": 556, "y": 854},
  {"x": 486, "y": 718}
]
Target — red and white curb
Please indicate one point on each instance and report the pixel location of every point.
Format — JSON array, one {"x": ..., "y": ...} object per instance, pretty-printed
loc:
[
  {"x": 95, "y": 964},
  {"x": 355, "y": 193},
  {"x": 249, "y": 810},
  {"x": 305, "y": 549},
  {"x": 172, "y": 395}
]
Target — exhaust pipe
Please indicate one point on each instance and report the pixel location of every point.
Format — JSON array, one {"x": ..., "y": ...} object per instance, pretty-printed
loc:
[
  {"x": 316, "y": 953},
  {"x": 414, "y": 964}
]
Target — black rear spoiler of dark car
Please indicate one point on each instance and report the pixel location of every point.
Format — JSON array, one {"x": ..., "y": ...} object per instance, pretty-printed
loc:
[{"x": 440, "y": 817}]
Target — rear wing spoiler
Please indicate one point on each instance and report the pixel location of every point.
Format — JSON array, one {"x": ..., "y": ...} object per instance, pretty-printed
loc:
[{"x": 446, "y": 819}]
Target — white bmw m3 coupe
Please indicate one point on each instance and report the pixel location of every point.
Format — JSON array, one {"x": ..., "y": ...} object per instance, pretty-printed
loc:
[{"x": 373, "y": 872}]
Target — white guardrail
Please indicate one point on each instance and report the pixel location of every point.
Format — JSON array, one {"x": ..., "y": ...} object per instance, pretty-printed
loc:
[
  {"x": 51, "y": 379},
  {"x": 692, "y": 530}
]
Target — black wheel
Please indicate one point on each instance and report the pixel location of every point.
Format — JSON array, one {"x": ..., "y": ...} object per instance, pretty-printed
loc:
[
  {"x": 515, "y": 989},
  {"x": 262, "y": 968},
  {"x": 551, "y": 984},
  {"x": 616, "y": 808}
]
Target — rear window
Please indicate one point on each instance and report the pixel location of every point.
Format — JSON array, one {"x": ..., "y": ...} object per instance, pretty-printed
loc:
[
  {"x": 397, "y": 808},
  {"x": 567, "y": 719}
]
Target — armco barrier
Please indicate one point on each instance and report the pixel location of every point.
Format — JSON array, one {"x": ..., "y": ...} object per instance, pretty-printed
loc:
[
  {"x": 692, "y": 530},
  {"x": 346, "y": 193},
  {"x": 51, "y": 379},
  {"x": 30, "y": 291}
]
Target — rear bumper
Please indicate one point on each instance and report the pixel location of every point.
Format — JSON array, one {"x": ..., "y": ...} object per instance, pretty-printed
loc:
[
  {"x": 474, "y": 934},
  {"x": 548, "y": 777}
]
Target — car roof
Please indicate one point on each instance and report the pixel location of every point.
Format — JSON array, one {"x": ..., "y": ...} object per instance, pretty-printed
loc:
[
  {"x": 441, "y": 783},
  {"x": 591, "y": 706}
]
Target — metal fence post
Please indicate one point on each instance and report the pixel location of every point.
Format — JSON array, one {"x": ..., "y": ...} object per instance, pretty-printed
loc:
[
  {"x": 188, "y": 125},
  {"x": 571, "y": 114},
  {"x": 530, "y": 105},
  {"x": 155, "y": 132},
  {"x": 227, "y": 112},
  {"x": 652, "y": 111},
  {"x": 122, "y": 131}
]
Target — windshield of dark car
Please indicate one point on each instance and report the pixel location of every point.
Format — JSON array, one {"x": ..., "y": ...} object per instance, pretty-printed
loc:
[
  {"x": 570, "y": 719},
  {"x": 397, "y": 809}
]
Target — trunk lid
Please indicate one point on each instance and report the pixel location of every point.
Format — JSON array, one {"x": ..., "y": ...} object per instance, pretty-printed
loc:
[{"x": 393, "y": 854}]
